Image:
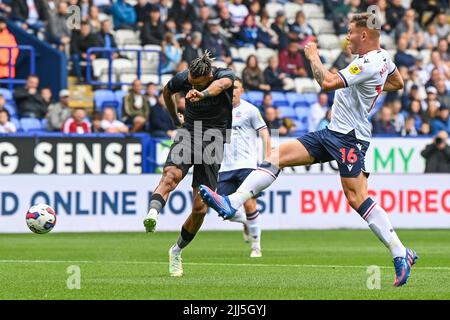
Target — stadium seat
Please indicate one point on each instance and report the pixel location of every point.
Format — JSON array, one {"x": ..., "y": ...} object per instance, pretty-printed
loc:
[
  {"x": 238, "y": 66},
  {"x": 147, "y": 78},
  {"x": 302, "y": 116},
  {"x": 273, "y": 7},
  {"x": 102, "y": 97},
  {"x": 127, "y": 78},
  {"x": 99, "y": 67},
  {"x": 306, "y": 85},
  {"x": 11, "y": 110},
  {"x": 30, "y": 124},
  {"x": 279, "y": 99},
  {"x": 235, "y": 53},
  {"x": 313, "y": 11},
  {"x": 287, "y": 112},
  {"x": 220, "y": 64},
  {"x": 244, "y": 52},
  {"x": 263, "y": 55},
  {"x": 322, "y": 26},
  {"x": 123, "y": 37},
  {"x": 120, "y": 64},
  {"x": 132, "y": 55},
  {"x": 291, "y": 9},
  {"x": 387, "y": 42},
  {"x": 328, "y": 41},
  {"x": 152, "y": 47},
  {"x": 120, "y": 95},
  {"x": 6, "y": 94},
  {"x": 255, "y": 97},
  {"x": 296, "y": 99},
  {"x": 16, "y": 123},
  {"x": 165, "y": 78},
  {"x": 44, "y": 123},
  {"x": 310, "y": 98}
]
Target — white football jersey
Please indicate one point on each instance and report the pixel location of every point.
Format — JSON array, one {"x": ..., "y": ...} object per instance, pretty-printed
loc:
[
  {"x": 364, "y": 80},
  {"x": 242, "y": 151}
]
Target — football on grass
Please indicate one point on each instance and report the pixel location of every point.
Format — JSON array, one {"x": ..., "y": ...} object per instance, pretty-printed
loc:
[{"x": 41, "y": 218}]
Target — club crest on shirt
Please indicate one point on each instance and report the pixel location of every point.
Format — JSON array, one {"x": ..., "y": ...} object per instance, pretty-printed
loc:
[{"x": 354, "y": 69}]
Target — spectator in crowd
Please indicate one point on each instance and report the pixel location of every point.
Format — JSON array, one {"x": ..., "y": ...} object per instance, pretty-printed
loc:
[
  {"x": 409, "y": 130},
  {"x": 398, "y": 118},
  {"x": 325, "y": 121},
  {"x": 29, "y": 100},
  {"x": 124, "y": 16},
  {"x": 201, "y": 23},
  {"x": 171, "y": 53},
  {"x": 425, "y": 129},
  {"x": 7, "y": 39},
  {"x": 300, "y": 31},
  {"x": 421, "y": 6},
  {"x": 437, "y": 63},
  {"x": 5, "y": 8},
  {"x": 274, "y": 122},
  {"x": 153, "y": 29},
  {"x": 275, "y": 77},
  {"x": 181, "y": 11},
  {"x": 164, "y": 8},
  {"x": 401, "y": 57},
  {"x": 443, "y": 51},
  {"x": 80, "y": 41},
  {"x": 57, "y": 30},
  {"x": 103, "y": 5},
  {"x": 252, "y": 76},
  {"x": 317, "y": 111},
  {"x": 442, "y": 26},
  {"x": 58, "y": 112},
  {"x": 142, "y": 9},
  {"x": 3, "y": 103},
  {"x": 105, "y": 39},
  {"x": 441, "y": 121},
  {"x": 184, "y": 37},
  {"x": 192, "y": 49},
  {"x": 415, "y": 111},
  {"x": 136, "y": 108},
  {"x": 46, "y": 94},
  {"x": 97, "y": 122},
  {"x": 437, "y": 154},
  {"x": 216, "y": 43},
  {"x": 431, "y": 37},
  {"x": 436, "y": 76},
  {"x": 291, "y": 61},
  {"x": 394, "y": 14},
  {"x": 109, "y": 122},
  {"x": 5, "y": 125},
  {"x": 238, "y": 11},
  {"x": 410, "y": 29},
  {"x": 94, "y": 19},
  {"x": 32, "y": 14},
  {"x": 84, "y": 6},
  {"x": 151, "y": 94},
  {"x": 76, "y": 123},
  {"x": 384, "y": 124},
  {"x": 432, "y": 110},
  {"x": 383, "y": 16},
  {"x": 249, "y": 34},
  {"x": 267, "y": 102},
  {"x": 281, "y": 28},
  {"x": 170, "y": 26},
  {"x": 254, "y": 7},
  {"x": 161, "y": 124},
  {"x": 266, "y": 34},
  {"x": 443, "y": 95},
  {"x": 343, "y": 59},
  {"x": 228, "y": 28}
]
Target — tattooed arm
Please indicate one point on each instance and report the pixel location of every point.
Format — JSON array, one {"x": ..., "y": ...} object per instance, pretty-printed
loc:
[{"x": 328, "y": 81}]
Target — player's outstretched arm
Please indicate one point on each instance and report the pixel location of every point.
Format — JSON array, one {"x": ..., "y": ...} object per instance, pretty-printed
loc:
[
  {"x": 328, "y": 81},
  {"x": 171, "y": 107},
  {"x": 265, "y": 136},
  {"x": 394, "y": 82},
  {"x": 214, "y": 89}
]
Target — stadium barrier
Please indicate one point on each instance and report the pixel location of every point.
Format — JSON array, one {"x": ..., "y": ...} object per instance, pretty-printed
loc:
[
  {"x": 11, "y": 80},
  {"x": 119, "y": 203}
]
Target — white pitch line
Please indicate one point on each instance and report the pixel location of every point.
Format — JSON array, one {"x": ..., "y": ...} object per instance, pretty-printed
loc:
[{"x": 212, "y": 264}]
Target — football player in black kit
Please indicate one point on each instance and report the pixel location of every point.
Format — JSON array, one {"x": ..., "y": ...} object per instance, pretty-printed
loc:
[{"x": 199, "y": 143}]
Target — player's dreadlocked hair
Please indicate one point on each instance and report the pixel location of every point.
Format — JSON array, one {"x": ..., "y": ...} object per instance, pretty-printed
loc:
[{"x": 201, "y": 66}]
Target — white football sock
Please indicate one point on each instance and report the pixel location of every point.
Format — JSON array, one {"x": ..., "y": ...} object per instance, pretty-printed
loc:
[
  {"x": 380, "y": 224},
  {"x": 239, "y": 216},
  {"x": 254, "y": 229},
  {"x": 175, "y": 248},
  {"x": 256, "y": 182}
]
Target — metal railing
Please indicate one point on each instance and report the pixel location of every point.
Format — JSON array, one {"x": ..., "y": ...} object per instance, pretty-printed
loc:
[
  {"x": 110, "y": 51},
  {"x": 10, "y": 80}
]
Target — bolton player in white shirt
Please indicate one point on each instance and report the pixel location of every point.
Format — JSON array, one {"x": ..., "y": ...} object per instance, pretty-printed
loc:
[
  {"x": 240, "y": 159},
  {"x": 346, "y": 139}
]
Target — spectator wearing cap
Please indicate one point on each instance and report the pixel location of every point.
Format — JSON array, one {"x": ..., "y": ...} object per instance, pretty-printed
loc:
[
  {"x": 136, "y": 108},
  {"x": 181, "y": 11},
  {"x": 291, "y": 61},
  {"x": 153, "y": 29},
  {"x": 441, "y": 121},
  {"x": 5, "y": 125},
  {"x": 76, "y": 123},
  {"x": 57, "y": 30},
  {"x": 124, "y": 15},
  {"x": 58, "y": 112},
  {"x": 29, "y": 100},
  {"x": 7, "y": 39},
  {"x": 281, "y": 28},
  {"x": 142, "y": 9},
  {"x": 300, "y": 31},
  {"x": 402, "y": 58},
  {"x": 238, "y": 11},
  {"x": 216, "y": 43}
]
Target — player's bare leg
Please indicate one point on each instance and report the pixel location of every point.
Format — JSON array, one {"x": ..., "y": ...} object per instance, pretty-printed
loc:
[
  {"x": 188, "y": 231},
  {"x": 355, "y": 190},
  {"x": 292, "y": 153},
  {"x": 254, "y": 229},
  {"x": 170, "y": 179}
]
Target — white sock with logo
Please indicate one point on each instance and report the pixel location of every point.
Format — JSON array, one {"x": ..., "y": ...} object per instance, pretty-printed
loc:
[{"x": 254, "y": 229}]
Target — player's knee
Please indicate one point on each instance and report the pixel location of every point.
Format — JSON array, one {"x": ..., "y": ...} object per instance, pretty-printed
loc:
[
  {"x": 354, "y": 198},
  {"x": 170, "y": 179}
]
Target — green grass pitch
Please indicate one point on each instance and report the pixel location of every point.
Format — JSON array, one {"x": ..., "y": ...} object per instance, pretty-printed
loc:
[{"x": 295, "y": 265}]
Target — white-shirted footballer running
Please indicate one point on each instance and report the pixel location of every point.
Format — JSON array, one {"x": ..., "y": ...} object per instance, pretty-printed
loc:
[
  {"x": 240, "y": 159},
  {"x": 345, "y": 140}
]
